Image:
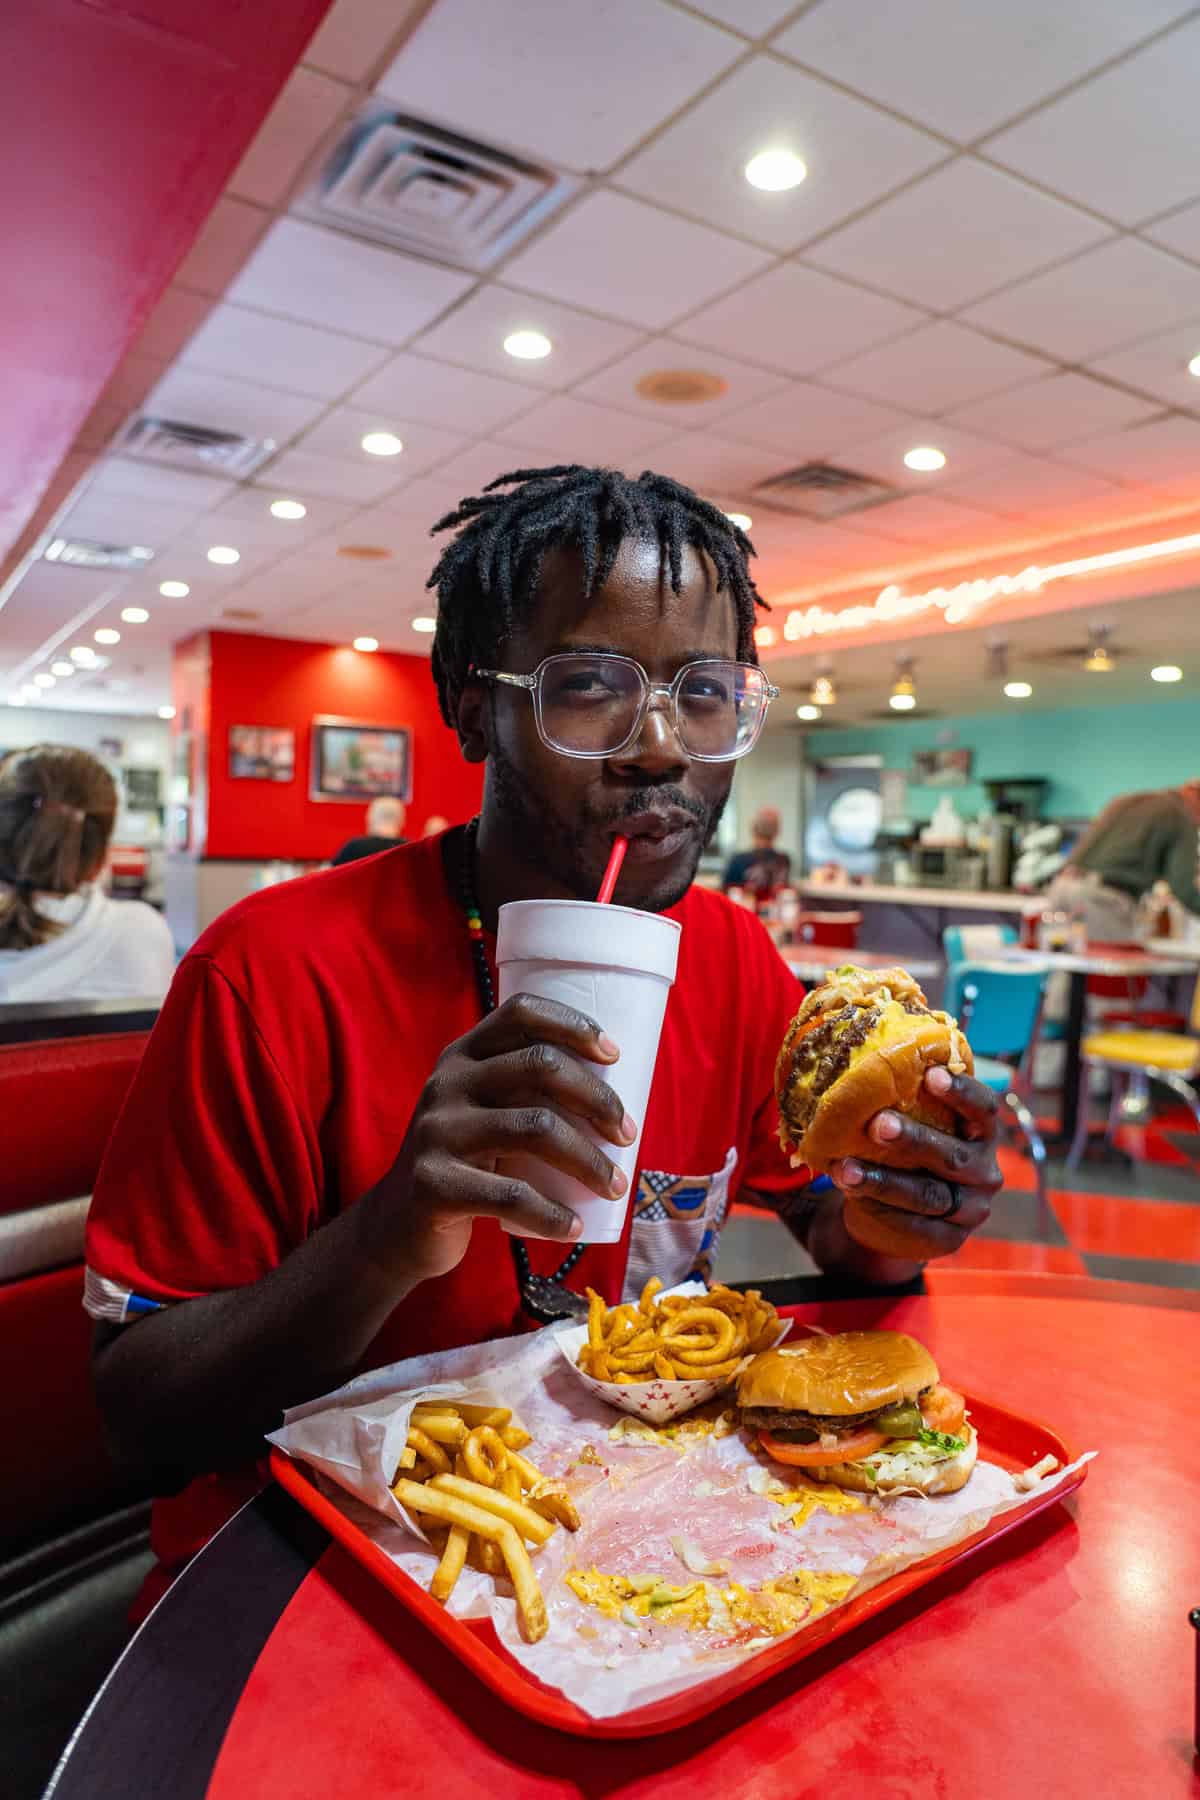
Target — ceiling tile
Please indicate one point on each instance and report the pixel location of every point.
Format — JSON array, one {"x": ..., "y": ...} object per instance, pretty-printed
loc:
[
  {"x": 751, "y": 17},
  {"x": 226, "y": 239},
  {"x": 256, "y": 347},
  {"x": 417, "y": 387},
  {"x": 883, "y": 456},
  {"x": 305, "y": 111},
  {"x": 715, "y": 467},
  {"x": 805, "y": 420},
  {"x": 355, "y": 34},
  {"x": 1179, "y": 231},
  {"x": 955, "y": 236},
  {"x": 1030, "y": 484},
  {"x": 302, "y": 472},
  {"x": 798, "y": 320},
  {"x": 125, "y": 519},
  {"x": 964, "y": 66},
  {"x": 1159, "y": 366},
  {"x": 1125, "y": 142},
  {"x": 304, "y": 272},
  {"x": 340, "y": 434},
  {"x": 1101, "y": 300},
  {"x": 632, "y": 261},
  {"x": 248, "y": 514},
  {"x": 854, "y": 153},
  {"x": 939, "y": 366},
  {"x": 926, "y": 519},
  {"x": 617, "y": 384},
  {"x": 474, "y": 334},
  {"x": 561, "y": 79},
  {"x": 1057, "y": 410},
  {"x": 196, "y": 397},
  {"x": 1164, "y": 454},
  {"x": 576, "y": 430},
  {"x": 176, "y": 315},
  {"x": 467, "y": 473},
  {"x": 159, "y": 486}
]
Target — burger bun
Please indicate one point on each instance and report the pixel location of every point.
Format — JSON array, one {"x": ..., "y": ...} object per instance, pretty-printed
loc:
[
  {"x": 943, "y": 1477},
  {"x": 888, "y": 1075}
]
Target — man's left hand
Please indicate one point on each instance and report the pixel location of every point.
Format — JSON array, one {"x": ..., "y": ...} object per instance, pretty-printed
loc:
[{"x": 929, "y": 1191}]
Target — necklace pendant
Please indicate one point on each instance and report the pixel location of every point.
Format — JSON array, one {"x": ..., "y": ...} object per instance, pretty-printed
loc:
[{"x": 549, "y": 1302}]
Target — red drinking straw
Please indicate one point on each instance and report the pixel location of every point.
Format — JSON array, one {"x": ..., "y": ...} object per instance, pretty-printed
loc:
[{"x": 620, "y": 846}]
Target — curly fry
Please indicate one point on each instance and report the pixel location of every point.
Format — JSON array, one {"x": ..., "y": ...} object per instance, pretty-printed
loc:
[
  {"x": 485, "y": 1455},
  {"x": 704, "y": 1317}
]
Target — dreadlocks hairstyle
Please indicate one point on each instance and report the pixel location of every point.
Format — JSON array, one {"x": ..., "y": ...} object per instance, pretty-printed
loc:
[{"x": 487, "y": 577}]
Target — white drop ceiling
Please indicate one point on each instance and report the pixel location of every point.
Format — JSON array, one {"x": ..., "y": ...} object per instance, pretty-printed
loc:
[{"x": 996, "y": 250}]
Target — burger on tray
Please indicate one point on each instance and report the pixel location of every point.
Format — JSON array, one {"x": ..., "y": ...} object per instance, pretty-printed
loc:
[{"x": 862, "y": 1409}]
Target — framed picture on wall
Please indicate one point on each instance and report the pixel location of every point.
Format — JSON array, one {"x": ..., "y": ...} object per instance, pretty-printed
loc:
[
  {"x": 261, "y": 753},
  {"x": 351, "y": 761},
  {"x": 942, "y": 768}
]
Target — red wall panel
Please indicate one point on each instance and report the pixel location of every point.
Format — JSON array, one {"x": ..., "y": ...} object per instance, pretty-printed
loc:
[{"x": 277, "y": 681}]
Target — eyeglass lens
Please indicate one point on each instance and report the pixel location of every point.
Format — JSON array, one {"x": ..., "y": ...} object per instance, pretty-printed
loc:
[{"x": 590, "y": 704}]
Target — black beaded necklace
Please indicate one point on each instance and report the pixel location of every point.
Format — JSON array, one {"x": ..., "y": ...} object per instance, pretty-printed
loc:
[{"x": 544, "y": 1297}]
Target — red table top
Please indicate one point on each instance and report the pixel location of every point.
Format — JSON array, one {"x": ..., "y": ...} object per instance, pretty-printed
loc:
[{"x": 1058, "y": 1663}]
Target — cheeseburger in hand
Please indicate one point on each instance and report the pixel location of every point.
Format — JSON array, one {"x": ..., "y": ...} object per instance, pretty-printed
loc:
[
  {"x": 862, "y": 1409},
  {"x": 860, "y": 1044}
]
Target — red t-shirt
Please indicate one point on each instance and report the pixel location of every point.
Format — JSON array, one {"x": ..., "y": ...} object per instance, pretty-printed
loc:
[{"x": 279, "y": 1082}]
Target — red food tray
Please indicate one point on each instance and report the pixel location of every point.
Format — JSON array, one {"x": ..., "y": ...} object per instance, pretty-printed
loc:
[{"x": 1004, "y": 1437}]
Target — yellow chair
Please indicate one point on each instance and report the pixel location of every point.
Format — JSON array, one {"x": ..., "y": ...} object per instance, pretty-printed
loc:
[{"x": 1163, "y": 1056}]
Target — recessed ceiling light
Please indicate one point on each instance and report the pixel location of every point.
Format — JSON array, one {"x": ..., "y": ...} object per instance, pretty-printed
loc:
[
  {"x": 366, "y": 643},
  {"x": 382, "y": 443},
  {"x": 62, "y": 669},
  {"x": 1194, "y": 365},
  {"x": 528, "y": 346},
  {"x": 83, "y": 654},
  {"x": 743, "y": 521},
  {"x": 106, "y": 635},
  {"x": 174, "y": 590},
  {"x": 808, "y": 711},
  {"x": 16, "y": 700},
  {"x": 764, "y": 636},
  {"x": 424, "y": 624},
  {"x": 224, "y": 553},
  {"x": 774, "y": 171},
  {"x": 924, "y": 459},
  {"x": 1167, "y": 672},
  {"x": 134, "y": 615},
  {"x": 43, "y": 681},
  {"x": 288, "y": 509},
  {"x": 166, "y": 712},
  {"x": 1017, "y": 690},
  {"x": 30, "y": 691}
]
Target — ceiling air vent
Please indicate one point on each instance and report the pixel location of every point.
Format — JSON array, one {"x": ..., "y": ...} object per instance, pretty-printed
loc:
[
  {"x": 201, "y": 448},
  {"x": 429, "y": 192},
  {"x": 823, "y": 491},
  {"x": 88, "y": 553}
]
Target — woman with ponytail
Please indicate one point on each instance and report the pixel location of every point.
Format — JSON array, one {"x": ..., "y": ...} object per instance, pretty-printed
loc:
[{"x": 61, "y": 936}]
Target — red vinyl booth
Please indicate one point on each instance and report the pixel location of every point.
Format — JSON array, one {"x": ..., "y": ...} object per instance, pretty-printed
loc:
[
  {"x": 59, "y": 1099},
  {"x": 830, "y": 930}
]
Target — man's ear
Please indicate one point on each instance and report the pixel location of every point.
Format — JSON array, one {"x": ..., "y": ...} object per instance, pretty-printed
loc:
[{"x": 473, "y": 722}]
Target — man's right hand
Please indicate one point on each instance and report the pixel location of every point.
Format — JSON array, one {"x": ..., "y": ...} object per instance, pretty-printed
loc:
[{"x": 516, "y": 1083}]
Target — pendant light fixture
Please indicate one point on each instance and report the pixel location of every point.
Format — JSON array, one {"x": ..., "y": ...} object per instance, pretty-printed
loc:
[
  {"x": 823, "y": 693},
  {"x": 1099, "y": 659},
  {"x": 904, "y": 692}
]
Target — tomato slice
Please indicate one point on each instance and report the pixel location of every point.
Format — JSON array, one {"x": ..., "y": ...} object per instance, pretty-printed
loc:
[
  {"x": 851, "y": 1447},
  {"x": 943, "y": 1409}
]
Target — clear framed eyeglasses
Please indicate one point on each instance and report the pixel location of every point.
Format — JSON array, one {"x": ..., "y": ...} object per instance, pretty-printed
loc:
[{"x": 592, "y": 703}]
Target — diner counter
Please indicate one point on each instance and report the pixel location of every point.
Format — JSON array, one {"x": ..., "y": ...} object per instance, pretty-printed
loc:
[{"x": 945, "y": 899}]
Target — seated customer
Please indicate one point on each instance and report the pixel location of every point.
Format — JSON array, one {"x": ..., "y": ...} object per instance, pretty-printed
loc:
[
  {"x": 764, "y": 868},
  {"x": 61, "y": 936},
  {"x": 385, "y": 827},
  {"x": 304, "y": 1179}
]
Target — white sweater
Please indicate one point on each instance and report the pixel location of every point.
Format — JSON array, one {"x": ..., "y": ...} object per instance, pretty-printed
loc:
[{"x": 110, "y": 950}]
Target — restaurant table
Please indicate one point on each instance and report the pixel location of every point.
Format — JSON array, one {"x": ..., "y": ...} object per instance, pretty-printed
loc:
[
  {"x": 1056, "y": 1664},
  {"x": 1077, "y": 965},
  {"x": 812, "y": 962}
]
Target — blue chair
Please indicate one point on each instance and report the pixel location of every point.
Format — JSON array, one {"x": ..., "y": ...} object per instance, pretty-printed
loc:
[{"x": 1000, "y": 1011}]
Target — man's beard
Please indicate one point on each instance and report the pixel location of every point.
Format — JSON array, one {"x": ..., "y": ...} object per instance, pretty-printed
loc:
[{"x": 561, "y": 850}]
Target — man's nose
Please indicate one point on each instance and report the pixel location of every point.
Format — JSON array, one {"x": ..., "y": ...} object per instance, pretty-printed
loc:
[{"x": 656, "y": 749}]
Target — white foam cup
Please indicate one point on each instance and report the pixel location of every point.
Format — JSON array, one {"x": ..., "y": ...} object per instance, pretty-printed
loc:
[{"x": 615, "y": 964}]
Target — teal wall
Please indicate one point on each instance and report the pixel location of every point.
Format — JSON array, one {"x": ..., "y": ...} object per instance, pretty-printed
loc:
[{"x": 1090, "y": 754}]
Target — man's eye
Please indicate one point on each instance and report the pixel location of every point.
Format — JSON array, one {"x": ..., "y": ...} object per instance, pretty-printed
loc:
[{"x": 707, "y": 689}]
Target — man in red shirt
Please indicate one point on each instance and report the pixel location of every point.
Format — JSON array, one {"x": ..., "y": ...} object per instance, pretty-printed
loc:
[{"x": 304, "y": 1180}]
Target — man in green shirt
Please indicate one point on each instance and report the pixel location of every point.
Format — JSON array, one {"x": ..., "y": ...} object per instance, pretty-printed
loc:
[{"x": 1137, "y": 840}]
